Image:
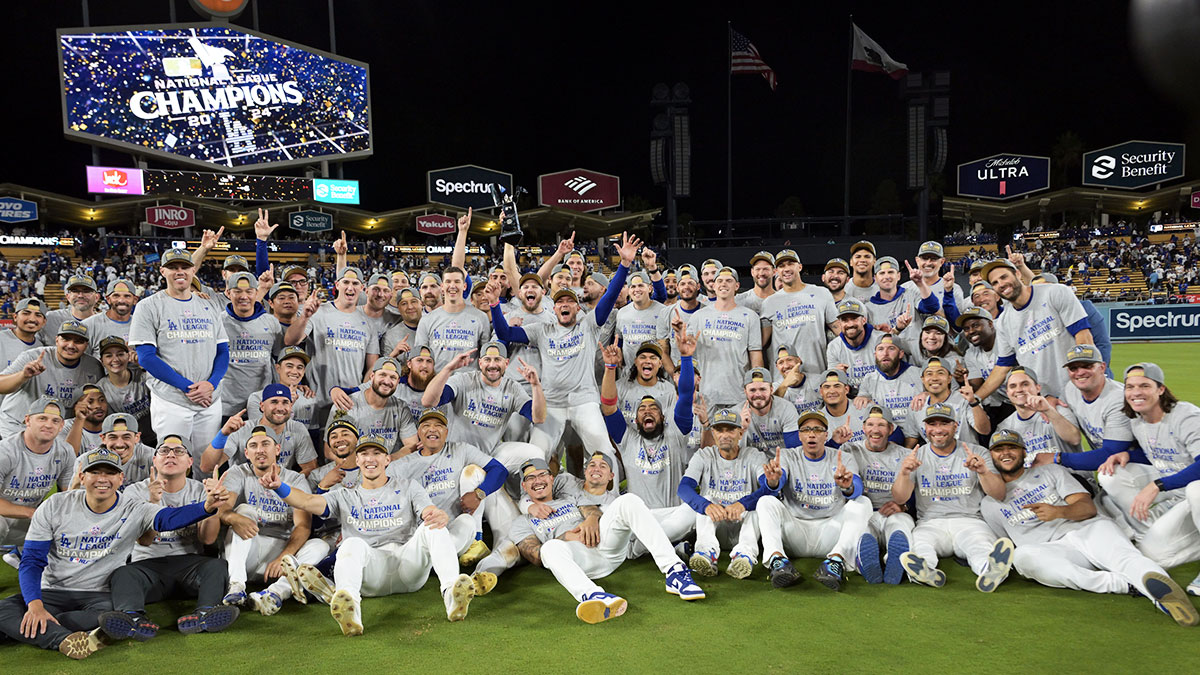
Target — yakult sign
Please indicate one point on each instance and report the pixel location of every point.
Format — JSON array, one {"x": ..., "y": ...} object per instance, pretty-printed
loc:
[
  {"x": 436, "y": 224},
  {"x": 170, "y": 217}
]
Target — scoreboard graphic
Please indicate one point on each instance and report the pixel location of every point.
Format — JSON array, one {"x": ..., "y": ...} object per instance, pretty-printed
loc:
[{"x": 210, "y": 95}]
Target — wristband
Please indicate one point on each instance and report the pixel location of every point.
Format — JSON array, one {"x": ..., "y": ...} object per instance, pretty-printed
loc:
[
  {"x": 283, "y": 490},
  {"x": 480, "y": 494},
  {"x": 608, "y": 401},
  {"x": 611, "y": 365},
  {"x": 218, "y": 441},
  {"x": 975, "y": 404},
  {"x": 1057, "y": 457},
  {"x": 1158, "y": 483}
]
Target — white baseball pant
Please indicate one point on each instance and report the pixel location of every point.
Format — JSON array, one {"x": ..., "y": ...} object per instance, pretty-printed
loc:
[
  {"x": 1171, "y": 535},
  {"x": 741, "y": 535},
  {"x": 1096, "y": 557},
  {"x": 584, "y": 418},
  {"x": 196, "y": 427},
  {"x": 882, "y": 527},
  {"x": 374, "y": 571},
  {"x": 676, "y": 521},
  {"x": 13, "y": 531},
  {"x": 820, "y": 537},
  {"x": 251, "y": 556},
  {"x": 963, "y": 536}
]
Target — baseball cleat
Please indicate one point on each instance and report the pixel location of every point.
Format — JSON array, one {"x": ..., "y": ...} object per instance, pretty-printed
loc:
[
  {"x": 680, "y": 582},
  {"x": 704, "y": 564},
  {"x": 921, "y": 573},
  {"x": 831, "y": 573},
  {"x": 316, "y": 583},
  {"x": 82, "y": 644},
  {"x": 600, "y": 606},
  {"x": 1193, "y": 588},
  {"x": 893, "y": 570},
  {"x": 1171, "y": 599},
  {"x": 236, "y": 595},
  {"x": 867, "y": 560},
  {"x": 208, "y": 620},
  {"x": 783, "y": 574},
  {"x": 125, "y": 625},
  {"x": 458, "y": 598},
  {"x": 475, "y": 552},
  {"x": 484, "y": 582},
  {"x": 998, "y": 567},
  {"x": 345, "y": 610},
  {"x": 740, "y": 566},
  {"x": 291, "y": 572},
  {"x": 265, "y": 602},
  {"x": 13, "y": 558}
]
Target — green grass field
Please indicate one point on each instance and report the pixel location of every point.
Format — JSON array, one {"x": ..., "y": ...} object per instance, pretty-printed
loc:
[{"x": 528, "y": 623}]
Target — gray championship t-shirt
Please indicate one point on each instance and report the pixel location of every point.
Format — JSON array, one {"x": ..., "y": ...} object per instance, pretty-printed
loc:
[
  {"x": 630, "y": 393},
  {"x": 565, "y": 514},
  {"x": 877, "y": 469},
  {"x": 136, "y": 468},
  {"x": 798, "y": 320},
  {"x": 440, "y": 473},
  {"x": 568, "y": 359},
  {"x": 1037, "y": 334},
  {"x": 251, "y": 342},
  {"x": 861, "y": 359},
  {"x": 979, "y": 364},
  {"x": 1172, "y": 444},
  {"x": 186, "y": 334},
  {"x": 1039, "y": 434},
  {"x": 636, "y": 326},
  {"x": 295, "y": 445},
  {"x": 724, "y": 481},
  {"x": 481, "y": 411},
  {"x": 1101, "y": 418},
  {"x": 894, "y": 393},
  {"x": 393, "y": 422},
  {"x": 389, "y": 514},
  {"x": 100, "y": 326},
  {"x": 810, "y": 492},
  {"x": 339, "y": 343},
  {"x": 57, "y": 380},
  {"x": 724, "y": 340},
  {"x": 171, "y": 542},
  {"x": 272, "y": 515},
  {"x": 449, "y": 335},
  {"x": 944, "y": 486},
  {"x": 132, "y": 399},
  {"x": 1050, "y": 484},
  {"x": 28, "y": 476},
  {"x": 805, "y": 396},
  {"x": 653, "y": 466},
  {"x": 304, "y": 408},
  {"x": 766, "y": 431}
]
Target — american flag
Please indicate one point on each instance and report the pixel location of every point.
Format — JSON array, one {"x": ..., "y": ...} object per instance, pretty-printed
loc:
[{"x": 744, "y": 58}]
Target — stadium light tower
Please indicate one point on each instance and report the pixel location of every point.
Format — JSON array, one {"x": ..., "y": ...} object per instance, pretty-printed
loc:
[
  {"x": 671, "y": 149},
  {"x": 927, "y": 95}
]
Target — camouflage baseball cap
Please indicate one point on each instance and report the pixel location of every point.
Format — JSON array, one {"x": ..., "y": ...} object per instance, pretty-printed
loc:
[
  {"x": 995, "y": 265},
  {"x": 112, "y": 341},
  {"x": 863, "y": 245},
  {"x": 815, "y": 416},
  {"x": 937, "y": 322},
  {"x": 762, "y": 255},
  {"x": 431, "y": 414},
  {"x": 82, "y": 281},
  {"x": 786, "y": 255},
  {"x": 933, "y": 248},
  {"x": 73, "y": 328},
  {"x": 726, "y": 417},
  {"x": 99, "y": 458},
  {"x": 371, "y": 442},
  {"x": 293, "y": 351},
  {"x": 939, "y": 411},
  {"x": 851, "y": 306},
  {"x": 176, "y": 255},
  {"x": 1083, "y": 354},
  {"x": 972, "y": 313},
  {"x": 838, "y": 263},
  {"x": 235, "y": 260},
  {"x": 1006, "y": 437}
]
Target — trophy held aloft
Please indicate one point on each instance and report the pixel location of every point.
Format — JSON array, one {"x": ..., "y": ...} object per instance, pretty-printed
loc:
[{"x": 510, "y": 226}]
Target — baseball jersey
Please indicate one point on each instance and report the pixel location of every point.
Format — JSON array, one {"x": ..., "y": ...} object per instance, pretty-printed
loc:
[
  {"x": 654, "y": 466},
  {"x": 724, "y": 340},
  {"x": 568, "y": 359},
  {"x": 136, "y": 468},
  {"x": 57, "y": 380},
  {"x": 1036, "y": 335},
  {"x": 862, "y": 293},
  {"x": 251, "y": 342},
  {"x": 1050, "y": 484},
  {"x": 565, "y": 514},
  {"x": 101, "y": 326},
  {"x": 810, "y": 492},
  {"x": 388, "y": 514},
  {"x": 750, "y": 300},
  {"x": 133, "y": 398},
  {"x": 944, "y": 486},
  {"x": 637, "y": 326},
  {"x": 87, "y": 547},
  {"x": 1173, "y": 443},
  {"x": 766, "y": 431},
  {"x": 630, "y": 393},
  {"x": 724, "y": 481},
  {"x": 295, "y": 445},
  {"x": 450, "y": 334},
  {"x": 339, "y": 343},
  {"x": 805, "y": 396},
  {"x": 304, "y": 408},
  {"x": 172, "y": 542},
  {"x": 272, "y": 515},
  {"x": 854, "y": 415},
  {"x": 1101, "y": 418},
  {"x": 440, "y": 473},
  {"x": 894, "y": 393},
  {"x": 186, "y": 334},
  {"x": 877, "y": 469},
  {"x": 1038, "y": 433},
  {"x": 861, "y": 359},
  {"x": 395, "y": 335},
  {"x": 481, "y": 411},
  {"x": 393, "y": 422},
  {"x": 798, "y": 320},
  {"x": 979, "y": 364}
]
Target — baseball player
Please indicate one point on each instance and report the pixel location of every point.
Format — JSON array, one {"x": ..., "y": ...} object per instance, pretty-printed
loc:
[
  {"x": 950, "y": 478},
  {"x": 123, "y": 385},
  {"x": 773, "y": 422},
  {"x": 844, "y": 419},
  {"x": 284, "y": 301},
  {"x": 795, "y": 385},
  {"x": 180, "y": 340},
  {"x": 878, "y": 459},
  {"x": 1046, "y": 427},
  {"x": 82, "y": 296},
  {"x": 797, "y": 315},
  {"x": 894, "y": 307},
  {"x": 816, "y": 508},
  {"x": 949, "y": 296},
  {"x": 376, "y": 410},
  {"x": 384, "y": 550},
  {"x": 404, "y": 330},
  {"x": 88, "y": 409},
  {"x": 862, "y": 263},
  {"x": 1096, "y": 400},
  {"x": 977, "y": 327},
  {"x": 114, "y": 322},
  {"x": 28, "y": 318},
  {"x": 637, "y": 322},
  {"x": 290, "y": 365},
  {"x": 263, "y": 530},
  {"x": 722, "y": 486},
  {"x": 32, "y": 464},
  {"x": 762, "y": 272},
  {"x": 46, "y": 371},
  {"x": 121, "y": 434},
  {"x": 1060, "y": 540},
  {"x": 430, "y": 288},
  {"x": 76, "y": 540},
  {"x": 341, "y": 437},
  {"x": 454, "y": 327},
  {"x": 853, "y": 349},
  {"x": 378, "y": 298},
  {"x": 296, "y": 449},
  {"x": 647, "y": 377},
  {"x": 296, "y": 277},
  {"x": 936, "y": 380},
  {"x": 836, "y": 277},
  {"x": 578, "y": 543},
  {"x": 892, "y": 383},
  {"x": 728, "y": 340},
  {"x": 418, "y": 372},
  {"x": 253, "y": 335}
]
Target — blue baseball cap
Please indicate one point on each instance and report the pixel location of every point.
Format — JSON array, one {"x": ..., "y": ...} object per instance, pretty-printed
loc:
[{"x": 274, "y": 390}]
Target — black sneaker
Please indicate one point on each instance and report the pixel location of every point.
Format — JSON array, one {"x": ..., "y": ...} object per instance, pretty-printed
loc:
[
  {"x": 207, "y": 620},
  {"x": 783, "y": 574},
  {"x": 125, "y": 625},
  {"x": 831, "y": 573}
]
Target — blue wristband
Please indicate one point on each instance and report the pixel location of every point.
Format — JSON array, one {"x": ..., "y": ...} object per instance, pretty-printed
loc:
[
  {"x": 218, "y": 441},
  {"x": 283, "y": 490}
]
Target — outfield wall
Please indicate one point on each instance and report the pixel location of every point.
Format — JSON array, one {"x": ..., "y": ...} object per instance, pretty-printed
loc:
[{"x": 1133, "y": 322}]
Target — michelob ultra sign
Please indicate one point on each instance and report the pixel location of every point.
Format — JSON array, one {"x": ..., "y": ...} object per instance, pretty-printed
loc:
[{"x": 212, "y": 95}]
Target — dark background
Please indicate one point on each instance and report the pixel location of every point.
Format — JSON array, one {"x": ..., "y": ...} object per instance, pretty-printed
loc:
[{"x": 546, "y": 87}]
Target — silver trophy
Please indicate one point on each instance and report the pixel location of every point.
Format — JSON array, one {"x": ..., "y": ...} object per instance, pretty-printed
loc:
[{"x": 510, "y": 226}]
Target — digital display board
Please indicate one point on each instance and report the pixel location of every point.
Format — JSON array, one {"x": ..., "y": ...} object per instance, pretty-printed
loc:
[
  {"x": 212, "y": 95},
  {"x": 237, "y": 187}
]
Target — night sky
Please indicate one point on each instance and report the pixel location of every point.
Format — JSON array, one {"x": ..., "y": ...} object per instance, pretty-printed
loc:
[{"x": 549, "y": 87}]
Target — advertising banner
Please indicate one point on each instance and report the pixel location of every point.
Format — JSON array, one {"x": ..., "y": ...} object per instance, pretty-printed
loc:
[
  {"x": 310, "y": 221},
  {"x": 436, "y": 224},
  {"x": 1154, "y": 322},
  {"x": 465, "y": 186},
  {"x": 1133, "y": 164},
  {"x": 13, "y": 210},
  {"x": 170, "y": 217},
  {"x": 579, "y": 190},
  {"x": 1004, "y": 176}
]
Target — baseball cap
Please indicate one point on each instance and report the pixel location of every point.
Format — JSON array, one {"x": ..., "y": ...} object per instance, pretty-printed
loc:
[
  {"x": 276, "y": 390},
  {"x": 1146, "y": 369},
  {"x": 530, "y": 276},
  {"x": 396, "y": 274},
  {"x": 351, "y": 273},
  {"x": 981, "y": 285},
  {"x": 429, "y": 275},
  {"x": 851, "y": 306},
  {"x": 863, "y": 245},
  {"x": 45, "y": 405},
  {"x": 176, "y": 255},
  {"x": 972, "y": 313},
  {"x": 235, "y": 261},
  {"x": 119, "y": 422},
  {"x": 559, "y": 268},
  {"x": 533, "y": 465},
  {"x": 112, "y": 341},
  {"x": 431, "y": 414},
  {"x": 31, "y": 303},
  {"x": 242, "y": 280},
  {"x": 937, "y": 322},
  {"x": 101, "y": 457},
  {"x": 408, "y": 293},
  {"x": 281, "y": 287},
  {"x": 996, "y": 264},
  {"x": 785, "y": 255},
  {"x": 293, "y": 269},
  {"x": 762, "y": 255},
  {"x": 933, "y": 248},
  {"x": 119, "y": 286},
  {"x": 756, "y": 375},
  {"x": 84, "y": 390},
  {"x": 887, "y": 262},
  {"x": 371, "y": 442},
  {"x": 935, "y": 362},
  {"x": 565, "y": 293},
  {"x": 73, "y": 328},
  {"x": 77, "y": 280},
  {"x": 711, "y": 262},
  {"x": 604, "y": 457},
  {"x": 640, "y": 275},
  {"x": 836, "y": 375},
  {"x": 1045, "y": 278},
  {"x": 815, "y": 416},
  {"x": 730, "y": 272},
  {"x": 293, "y": 351},
  {"x": 649, "y": 346},
  {"x": 880, "y": 412},
  {"x": 1006, "y": 437},
  {"x": 977, "y": 265},
  {"x": 689, "y": 271},
  {"x": 378, "y": 279},
  {"x": 839, "y": 263},
  {"x": 263, "y": 430},
  {"x": 417, "y": 351},
  {"x": 174, "y": 439},
  {"x": 939, "y": 411},
  {"x": 651, "y": 399},
  {"x": 782, "y": 350},
  {"x": 386, "y": 363},
  {"x": 478, "y": 285},
  {"x": 341, "y": 423},
  {"x": 599, "y": 278},
  {"x": 495, "y": 269},
  {"x": 726, "y": 417},
  {"x": 576, "y": 254},
  {"x": 1083, "y": 354},
  {"x": 669, "y": 274},
  {"x": 1029, "y": 372},
  {"x": 494, "y": 348}
]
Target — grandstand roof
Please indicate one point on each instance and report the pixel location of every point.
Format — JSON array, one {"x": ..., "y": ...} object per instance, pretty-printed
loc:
[{"x": 1116, "y": 202}]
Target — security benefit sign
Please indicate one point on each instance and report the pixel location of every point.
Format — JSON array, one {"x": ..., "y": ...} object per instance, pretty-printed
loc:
[
  {"x": 1133, "y": 164},
  {"x": 579, "y": 190},
  {"x": 1004, "y": 176},
  {"x": 213, "y": 96},
  {"x": 310, "y": 221},
  {"x": 1154, "y": 322},
  {"x": 465, "y": 186}
]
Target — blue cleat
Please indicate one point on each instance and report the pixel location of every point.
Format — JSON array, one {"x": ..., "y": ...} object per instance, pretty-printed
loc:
[
  {"x": 867, "y": 561},
  {"x": 783, "y": 573},
  {"x": 998, "y": 567},
  {"x": 831, "y": 573},
  {"x": 236, "y": 596},
  {"x": 600, "y": 606},
  {"x": 893, "y": 571},
  {"x": 125, "y": 625},
  {"x": 1170, "y": 598},
  {"x": 680, "y": 582},
  {"x": 207, "y": 620}
]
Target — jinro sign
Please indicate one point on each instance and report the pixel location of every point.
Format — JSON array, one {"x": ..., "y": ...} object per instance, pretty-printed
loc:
[
  {"x": 1004, "y": 176},
  {"x": 170, "y": 217}
]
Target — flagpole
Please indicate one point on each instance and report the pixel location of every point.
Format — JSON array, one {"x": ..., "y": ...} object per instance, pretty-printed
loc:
[
  {"x": 846, "y": 181},
  {"x": 729, "y": 121}
]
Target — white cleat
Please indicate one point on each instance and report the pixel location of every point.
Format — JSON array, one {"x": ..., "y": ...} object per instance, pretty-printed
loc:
[
  {"x": 316, "y": 583},
  {"x": 458, "y": 598},
  {"x": 291, "y": 572},
  {"x": 345, "y": 610}
]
